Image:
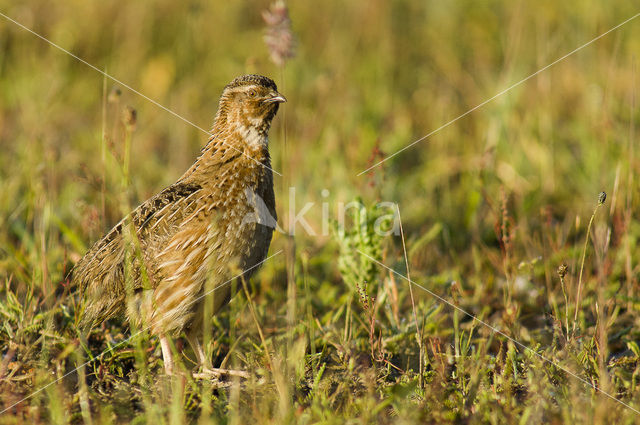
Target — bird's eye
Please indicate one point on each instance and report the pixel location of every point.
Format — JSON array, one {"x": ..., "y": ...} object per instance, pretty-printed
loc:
[{"x": 252, "y": 93}]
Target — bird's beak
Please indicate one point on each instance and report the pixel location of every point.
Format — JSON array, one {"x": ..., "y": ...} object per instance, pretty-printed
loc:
[{"x": 275, "y": 98}]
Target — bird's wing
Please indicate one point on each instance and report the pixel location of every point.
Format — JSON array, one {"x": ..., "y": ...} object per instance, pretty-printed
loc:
[{"x": 100, "y": 275}]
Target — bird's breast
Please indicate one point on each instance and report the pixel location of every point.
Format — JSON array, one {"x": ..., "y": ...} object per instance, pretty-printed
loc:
[{"x": 252, "y": 137}]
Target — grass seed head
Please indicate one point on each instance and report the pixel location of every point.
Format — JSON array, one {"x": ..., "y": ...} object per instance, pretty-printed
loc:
[
  {"x": 562, "y": 271},
  {"x": 278, "y": 35},
  {"x": 129, "y": 117}
]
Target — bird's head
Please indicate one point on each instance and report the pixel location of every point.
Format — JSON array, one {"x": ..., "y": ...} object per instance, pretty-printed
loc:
[{"x": 248, "y": 104}]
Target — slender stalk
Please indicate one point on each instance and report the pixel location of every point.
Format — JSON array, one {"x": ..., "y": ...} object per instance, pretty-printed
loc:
[
  {"x": 257, "y": 322},
  {"x": 630, "y": 278},
  {"x": 601, "y": 198},
  {"x": 83, "y": 392},
  {"x": 413, "y": 304},
  {"x": 307, "y": 293},
  {"x": 562, "y": 272},
  {"x": 103, "y": 150}
]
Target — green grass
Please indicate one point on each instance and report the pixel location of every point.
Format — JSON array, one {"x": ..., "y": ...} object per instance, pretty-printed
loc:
[{"x": 492, "y": 206}]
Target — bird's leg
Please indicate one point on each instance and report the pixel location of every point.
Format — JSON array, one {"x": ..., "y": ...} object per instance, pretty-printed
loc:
[
  {"x": 167, "y": 356},
  {"x": 201, "y": 357},
  {"x": 207, "y": 369}
]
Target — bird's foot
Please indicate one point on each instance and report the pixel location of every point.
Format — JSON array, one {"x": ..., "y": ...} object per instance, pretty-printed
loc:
[{"x": 213, "y": 372}]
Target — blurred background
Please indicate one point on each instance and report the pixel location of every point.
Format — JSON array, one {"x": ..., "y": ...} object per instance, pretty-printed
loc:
[{"x": 491, "y": 204}]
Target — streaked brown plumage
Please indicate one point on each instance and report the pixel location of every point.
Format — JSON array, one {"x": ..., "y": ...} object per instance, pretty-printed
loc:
[{"x": 154, "y": 264}]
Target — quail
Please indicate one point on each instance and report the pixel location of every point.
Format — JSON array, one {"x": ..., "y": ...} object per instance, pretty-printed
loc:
[{"x": 156, "y": 264}]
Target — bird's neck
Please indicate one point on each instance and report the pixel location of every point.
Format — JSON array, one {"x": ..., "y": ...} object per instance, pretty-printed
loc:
[
  {"x": 241, "y": 134},
  {"x": 242, "y": 127}
]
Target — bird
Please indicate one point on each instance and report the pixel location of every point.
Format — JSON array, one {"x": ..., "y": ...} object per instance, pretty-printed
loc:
[{"x": 155, "y": 265}]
